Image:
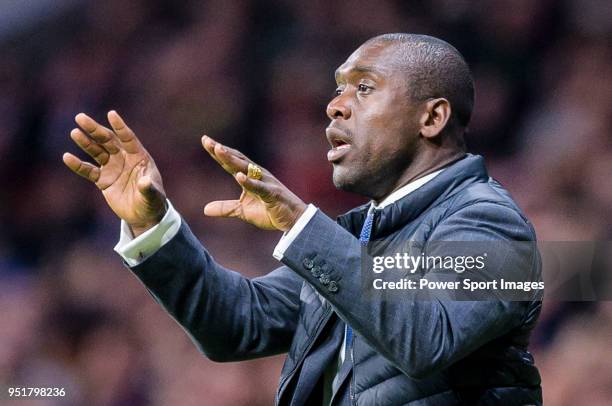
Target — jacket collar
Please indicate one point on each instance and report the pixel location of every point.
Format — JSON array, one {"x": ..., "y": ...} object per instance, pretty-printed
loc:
[{"x": 467, "y": 170}]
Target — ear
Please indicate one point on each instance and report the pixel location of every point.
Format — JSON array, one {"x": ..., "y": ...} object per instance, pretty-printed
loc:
[{"x": 435, "y": 117}]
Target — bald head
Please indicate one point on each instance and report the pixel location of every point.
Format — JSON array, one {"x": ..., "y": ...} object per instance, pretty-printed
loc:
[{"x": 433, "y": 68}]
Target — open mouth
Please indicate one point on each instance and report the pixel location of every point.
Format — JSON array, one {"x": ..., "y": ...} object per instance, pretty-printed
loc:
[{"x": 339, "y": 143}]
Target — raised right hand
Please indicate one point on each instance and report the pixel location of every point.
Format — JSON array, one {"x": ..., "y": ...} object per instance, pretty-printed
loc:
[{"x": 127, "y": 176}]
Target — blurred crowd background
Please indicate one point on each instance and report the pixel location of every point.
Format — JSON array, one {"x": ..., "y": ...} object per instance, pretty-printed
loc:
[{"x": 257, "y": 75}]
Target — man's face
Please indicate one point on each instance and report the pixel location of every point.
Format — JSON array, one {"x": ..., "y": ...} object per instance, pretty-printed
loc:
[{"x": 374, "y": 126}]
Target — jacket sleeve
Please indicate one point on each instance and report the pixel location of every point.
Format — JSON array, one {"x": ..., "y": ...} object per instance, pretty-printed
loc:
[
  {"x": 228, "y": 316},
  {"x": 418, "y": 336}
]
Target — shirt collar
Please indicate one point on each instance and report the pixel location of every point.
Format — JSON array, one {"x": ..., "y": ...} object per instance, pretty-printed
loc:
[{"x": 404, "y": 191}]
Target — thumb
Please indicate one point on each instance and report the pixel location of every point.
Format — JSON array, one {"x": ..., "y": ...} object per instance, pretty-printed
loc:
[
  {"x": 149, "y": 190},
  {"x": 223, "y": 208},
  {"x": 145, "y": 185}
]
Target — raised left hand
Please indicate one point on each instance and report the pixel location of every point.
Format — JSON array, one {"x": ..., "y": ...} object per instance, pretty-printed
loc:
[{"x": 265, "y": 203}]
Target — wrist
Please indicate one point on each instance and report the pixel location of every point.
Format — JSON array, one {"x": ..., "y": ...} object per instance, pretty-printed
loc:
[
  {"x": 299, "y": 211},
  {"x": 142, "y": 227}
]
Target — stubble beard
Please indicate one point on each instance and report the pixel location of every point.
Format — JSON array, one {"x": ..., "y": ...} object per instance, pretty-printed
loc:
[{"x": 351, "y": 180}]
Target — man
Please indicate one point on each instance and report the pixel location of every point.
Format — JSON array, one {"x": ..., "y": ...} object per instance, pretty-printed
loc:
[{"x": 397, "y": 122}]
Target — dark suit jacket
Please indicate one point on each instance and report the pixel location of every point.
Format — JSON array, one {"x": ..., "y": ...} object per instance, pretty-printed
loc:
[{"x": 404, "y": 351}]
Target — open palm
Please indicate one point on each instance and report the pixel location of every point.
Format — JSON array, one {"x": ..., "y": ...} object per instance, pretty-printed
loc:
[
  {"x": 127, "y": 176},
  {"x": 266, "y": 203}
]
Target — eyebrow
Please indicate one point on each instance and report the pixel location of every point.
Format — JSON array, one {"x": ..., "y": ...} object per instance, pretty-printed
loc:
[{"x": 358, "y": 69}]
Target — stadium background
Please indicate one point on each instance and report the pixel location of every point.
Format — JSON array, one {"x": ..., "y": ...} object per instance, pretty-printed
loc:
[{"x": 257, "y": 75}]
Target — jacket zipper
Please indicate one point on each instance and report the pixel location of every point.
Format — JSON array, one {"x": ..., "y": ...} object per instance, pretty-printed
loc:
[{"x": 282, "y": 385}]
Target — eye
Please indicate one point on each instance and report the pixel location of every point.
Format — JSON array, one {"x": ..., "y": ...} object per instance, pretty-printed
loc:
[
  {"x": 338, "y": 91},
  {"x": 364, "y": 88}
]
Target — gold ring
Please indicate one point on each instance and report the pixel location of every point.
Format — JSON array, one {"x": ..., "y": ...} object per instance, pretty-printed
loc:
[{"x": 254, "y": 172}]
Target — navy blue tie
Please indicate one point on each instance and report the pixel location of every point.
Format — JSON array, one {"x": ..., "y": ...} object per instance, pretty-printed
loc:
[{"x": 364, "y": 238}]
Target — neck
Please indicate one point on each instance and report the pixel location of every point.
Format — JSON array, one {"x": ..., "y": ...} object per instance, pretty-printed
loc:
[{"x": 423, "y": 165}]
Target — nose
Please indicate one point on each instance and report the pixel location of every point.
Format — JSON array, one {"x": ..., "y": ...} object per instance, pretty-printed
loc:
[{"x": 337, "y": 108}]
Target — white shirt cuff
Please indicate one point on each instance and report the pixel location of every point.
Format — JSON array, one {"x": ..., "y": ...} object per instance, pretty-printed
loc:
[
  {"x": 135, "y": 250},
  {"x": 289, "y": 236}
]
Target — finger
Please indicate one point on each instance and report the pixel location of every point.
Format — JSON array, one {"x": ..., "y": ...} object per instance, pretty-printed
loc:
[
  {"x": 125, "y": 134},
  {"x": 231, "y": 151},
  {"x": 223, "y": 208},
  {"x": 209, "y": 146},
  {"x": 94, "y": 150},
  {"x": 262, "y": 189},
  {"x": 231, "y": 160},
  {"x": 100, "y": 134},
  {"x": 84, "y": 169},
  {"x": 237, "y": 154}
]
